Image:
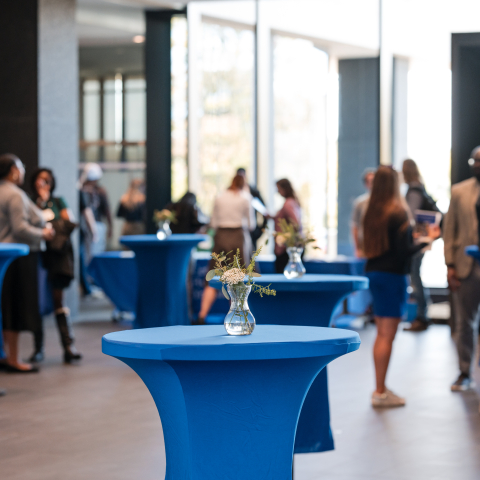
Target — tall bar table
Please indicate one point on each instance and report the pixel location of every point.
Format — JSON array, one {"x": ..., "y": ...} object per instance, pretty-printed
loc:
[
  {"x": 307, "y": 301},
  {"x": 229, "y": 405},
  {"x": 162, "y": 267},
  {"x": 8, "y": 253}
]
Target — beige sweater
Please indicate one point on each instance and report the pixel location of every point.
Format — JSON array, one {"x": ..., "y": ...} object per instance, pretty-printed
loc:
[{"x": 21, "y": 221}]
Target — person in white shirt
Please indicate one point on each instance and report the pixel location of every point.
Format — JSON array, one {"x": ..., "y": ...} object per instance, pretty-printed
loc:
[{"x": 233, "y": 219}]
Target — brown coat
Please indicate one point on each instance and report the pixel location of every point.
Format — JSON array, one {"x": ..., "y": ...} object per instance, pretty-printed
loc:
[{"x": 460, "y": 226}]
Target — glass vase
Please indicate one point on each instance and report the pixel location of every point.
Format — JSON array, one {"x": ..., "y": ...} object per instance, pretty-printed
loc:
[
  {"x": 163, "y": 229},
  {"x": 294, "y": 268},
  {"x": 239, "y": 319}
]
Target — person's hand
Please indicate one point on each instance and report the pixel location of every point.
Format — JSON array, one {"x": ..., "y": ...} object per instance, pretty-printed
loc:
[
  {"x": 434, "y": 232},
  {"x": 48, "y": 233},
  {"x": 452, "y": 278}
]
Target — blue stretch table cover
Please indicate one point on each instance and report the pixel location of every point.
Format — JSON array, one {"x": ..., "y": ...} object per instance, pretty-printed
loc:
[
  {"x": 473, "y": 251},
  {"x": 162, "y": 278},
  {"x": 116, "y": 273},
  {"x": 229, "y": 405},
  {"x": 8, "y": 253},
  {"x": 338, "y": 266},
  {"x": 307, "y": 301}
]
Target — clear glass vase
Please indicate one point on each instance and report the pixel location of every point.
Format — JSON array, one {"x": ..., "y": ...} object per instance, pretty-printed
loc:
[
  {"x": 239, "y": 319},
  {"x": 163, "y": 229},
  {"x": 294, "y": 268}
]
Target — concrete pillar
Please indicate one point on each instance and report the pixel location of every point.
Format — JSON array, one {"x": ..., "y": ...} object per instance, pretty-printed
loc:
[
  {"x": 39, "y": 85},
  {"x": 399, "y": 111}
]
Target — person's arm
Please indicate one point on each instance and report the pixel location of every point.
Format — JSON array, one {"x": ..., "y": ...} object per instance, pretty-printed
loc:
[
  {"x": 20, "y": 224},
  {"x": 106, "y": 211},
  {"x": 450, "y": 232},
  {"x": 291, "y": 212},
  {"x": 403, "y": 245},
  {"x": 414, "y": 199},
  {"x": 65, "y": 212},
  {"x": 250, "y": 214},
  {"x": 90, "y": 221}
]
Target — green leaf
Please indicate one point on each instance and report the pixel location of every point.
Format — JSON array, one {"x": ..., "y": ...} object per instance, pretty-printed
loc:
[
  {"x": 225, "y": 294},
  {"x": 266, "y": 243},
  {"x": 210, "y": 275},
  {"x": 218, "y": 272},
  {"x": 255, "y": 274},
  {"x": 222, "y": 259}
]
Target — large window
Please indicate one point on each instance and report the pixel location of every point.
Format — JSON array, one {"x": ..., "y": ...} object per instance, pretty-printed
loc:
[
  {"x": 300, "y": 82},
  {"x": 113, "y": 119},
  {"x": 226, "y": 103}
]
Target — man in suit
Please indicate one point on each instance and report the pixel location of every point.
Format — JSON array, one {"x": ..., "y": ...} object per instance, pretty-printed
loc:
[{"x": 460, "y": 229}]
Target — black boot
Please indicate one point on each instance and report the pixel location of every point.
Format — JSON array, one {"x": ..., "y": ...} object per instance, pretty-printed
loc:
[
  {"x": 38, "y": 354},
  {"x": 65, "y": 331}
]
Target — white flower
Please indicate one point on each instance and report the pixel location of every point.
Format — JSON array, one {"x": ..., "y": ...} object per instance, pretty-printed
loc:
[{"x": 232, "y": 276}]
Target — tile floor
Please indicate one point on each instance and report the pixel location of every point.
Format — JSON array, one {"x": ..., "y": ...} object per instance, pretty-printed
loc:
[{"x": 98, "y": 421}]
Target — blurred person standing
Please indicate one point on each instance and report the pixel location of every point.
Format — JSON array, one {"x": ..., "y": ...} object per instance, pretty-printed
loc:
[
  {"x": 388, "y": 247},
  {"x": 58, "y": 260},
  {"x": 359, "y": 208},
  {"x": 97, "y": 200},
  {"x": 21, "y": 221},
  {"x": 132, "y": 208},
  {"x": 233, "y": 220},
  {"x": 460, "y": 229},
  {"x": 260, "y": 217},
  {"x": 417, "y": 199},
  {"x": 189, "y": 218},
  {"x": 292, "y": 213}
]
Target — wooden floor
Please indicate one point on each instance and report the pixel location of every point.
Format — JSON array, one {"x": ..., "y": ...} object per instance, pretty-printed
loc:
[{"x": 98, "y": 421}]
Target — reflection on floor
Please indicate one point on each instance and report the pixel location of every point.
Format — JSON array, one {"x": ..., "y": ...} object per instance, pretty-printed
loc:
[{"x": 98, "y": 421}]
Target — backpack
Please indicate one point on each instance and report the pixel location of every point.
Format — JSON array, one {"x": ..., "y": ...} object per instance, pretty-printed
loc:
[{"x": 428, "y": 202}]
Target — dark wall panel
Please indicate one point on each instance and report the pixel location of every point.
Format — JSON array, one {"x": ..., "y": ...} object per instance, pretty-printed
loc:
[
  {"x": 359, "y": 137},
  {"x": 19, "y": 80},
  {"x": 465, "y": 101}
]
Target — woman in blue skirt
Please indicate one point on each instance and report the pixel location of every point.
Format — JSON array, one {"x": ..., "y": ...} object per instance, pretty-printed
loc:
[{"x": 389, "y": 247}]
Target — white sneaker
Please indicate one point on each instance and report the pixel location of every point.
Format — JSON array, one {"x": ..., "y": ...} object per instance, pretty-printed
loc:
[{"x": 387, "y": 400}]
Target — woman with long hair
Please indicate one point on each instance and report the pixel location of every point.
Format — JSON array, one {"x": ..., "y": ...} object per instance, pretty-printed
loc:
[
  {"x": 132, "y": 208},
  {"x": 233, "y": 220},
  {"x": 21, "y": 221},
  {"x": 292, "y": 213},
  {"x": 188, "y": 216},
  {"x": 57, "y": 260},
  {"x": 388, "y": 247},
  {"x": 417, "y": 199}
]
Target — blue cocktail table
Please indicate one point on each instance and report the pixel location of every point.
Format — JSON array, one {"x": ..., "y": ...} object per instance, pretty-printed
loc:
[
  {"x": 229, "y": 405},
  {"x": 162, "y": 278},
  {"x": 308, "y": 301},
  {"x": 8, "y": 253}
]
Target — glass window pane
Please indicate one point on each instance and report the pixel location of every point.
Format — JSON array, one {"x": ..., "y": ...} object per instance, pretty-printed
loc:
[
  {"x": 226, "y": 122},
  {"x": 135, "y": 113},
  {"x": 300, "y": 82},
  {"x": 179, "y": 107},
  {"x": 91, "y": 110}
]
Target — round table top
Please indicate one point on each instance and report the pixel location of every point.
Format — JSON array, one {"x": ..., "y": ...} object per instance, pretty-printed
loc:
[
  {"x": 308, "y": 283},
  {"x": 153, "y": 241},
  {"x": 14, "y": 249},
  {"x": 212, "y": 343},
  {"x": 473, "y": 251},
  {"x": 114, "y": 254}
]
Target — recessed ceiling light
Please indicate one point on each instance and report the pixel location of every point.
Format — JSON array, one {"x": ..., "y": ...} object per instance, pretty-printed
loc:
[{"x": 138, "y": 39}]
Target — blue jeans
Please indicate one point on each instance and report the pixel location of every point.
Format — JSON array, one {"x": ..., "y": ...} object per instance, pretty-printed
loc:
[{"x": 419, "y": 294}]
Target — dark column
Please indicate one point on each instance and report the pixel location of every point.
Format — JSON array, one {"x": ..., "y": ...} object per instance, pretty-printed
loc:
[
  {"x": 359, "y": 138},
  {"x": 465, "y": 101},
  {"x": 18, "y": 80},
  {"x": 159, "y": 105}
]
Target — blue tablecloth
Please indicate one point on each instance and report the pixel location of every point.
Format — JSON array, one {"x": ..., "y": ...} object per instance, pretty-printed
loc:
[
  {"x": 162, "y": 278},
  {"x": 473, "y": 251},
  {"x": 307, "y": 301},
  {"x": 116, "y": 273},
  {"x": 339, "y": 266},
  {"x": 8, "y": 253},
  {"x": 229, "y": 405}
]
